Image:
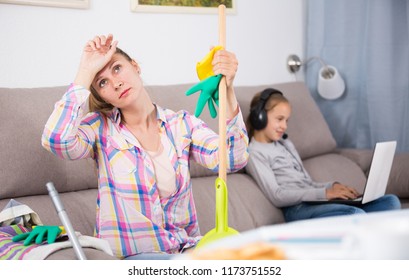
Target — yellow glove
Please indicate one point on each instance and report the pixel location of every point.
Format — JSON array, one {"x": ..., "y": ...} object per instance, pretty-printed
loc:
[
  {"x": 204, "y": 68},
  {"x": 209, "y": 85}
]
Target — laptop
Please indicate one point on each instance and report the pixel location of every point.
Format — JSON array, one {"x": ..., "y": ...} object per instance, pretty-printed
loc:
[
  {"x": 378, "y": 176},
  {"x": 59, "y": 207}
]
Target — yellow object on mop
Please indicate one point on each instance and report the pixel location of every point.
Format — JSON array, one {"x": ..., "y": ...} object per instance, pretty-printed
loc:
[{"x": 204, "y": 67}]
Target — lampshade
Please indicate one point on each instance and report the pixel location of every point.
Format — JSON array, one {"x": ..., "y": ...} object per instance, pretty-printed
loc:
[{"x": 330, "y": 83}]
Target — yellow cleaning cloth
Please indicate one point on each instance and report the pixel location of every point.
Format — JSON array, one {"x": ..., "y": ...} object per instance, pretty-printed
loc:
[{"x": 204, "y": 67}]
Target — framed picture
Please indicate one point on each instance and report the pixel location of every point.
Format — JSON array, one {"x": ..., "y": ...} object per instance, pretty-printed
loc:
[
  {"x": 182, "y": 6},
  {"x": 77, "y": 4}
]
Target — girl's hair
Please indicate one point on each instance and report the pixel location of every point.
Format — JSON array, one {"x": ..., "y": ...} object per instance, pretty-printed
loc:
[
  {"x": 272, "y": 101},
  {"x": 96, "y": 103}
]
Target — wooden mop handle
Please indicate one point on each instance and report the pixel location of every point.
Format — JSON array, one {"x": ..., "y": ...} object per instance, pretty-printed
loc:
[{"x": 222, "y": 101}]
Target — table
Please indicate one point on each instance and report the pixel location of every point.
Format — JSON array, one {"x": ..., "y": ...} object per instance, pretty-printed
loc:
[{"x": 380, "y": 235}]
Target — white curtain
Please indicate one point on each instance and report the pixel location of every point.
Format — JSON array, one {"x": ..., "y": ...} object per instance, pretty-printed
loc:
[{"x": 368, "y": 42}]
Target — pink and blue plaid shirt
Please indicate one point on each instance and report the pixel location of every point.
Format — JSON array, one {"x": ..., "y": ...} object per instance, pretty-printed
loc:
[{"x": 130, "y": 214}]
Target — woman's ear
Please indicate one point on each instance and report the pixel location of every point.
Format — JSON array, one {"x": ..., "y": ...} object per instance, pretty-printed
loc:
[{"x": 136, "y": 65}]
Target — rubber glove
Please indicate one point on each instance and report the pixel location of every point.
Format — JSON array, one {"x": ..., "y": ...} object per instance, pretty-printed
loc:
[
  {"x": 204, "y": 68},
  {"x": 209, "y": 93},
  {"x": 39, "y": 233}
]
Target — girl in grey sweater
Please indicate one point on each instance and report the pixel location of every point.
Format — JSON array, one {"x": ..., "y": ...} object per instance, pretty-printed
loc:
[{"x": 276, "y": 166}]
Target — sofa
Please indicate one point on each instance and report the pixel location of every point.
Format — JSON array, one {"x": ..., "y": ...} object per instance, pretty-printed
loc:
[{"x": 26, "y": 167}]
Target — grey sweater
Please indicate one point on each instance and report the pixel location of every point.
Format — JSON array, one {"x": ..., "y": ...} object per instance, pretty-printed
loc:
[{"x": 278, "y": 170}]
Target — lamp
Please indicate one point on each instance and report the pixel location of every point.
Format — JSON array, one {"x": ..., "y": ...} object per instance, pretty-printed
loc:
[{"x": 330, "y": 83}]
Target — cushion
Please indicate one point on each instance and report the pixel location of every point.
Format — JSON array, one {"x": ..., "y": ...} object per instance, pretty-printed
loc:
[
  {"x": 25, "y": 166},
  {"x": 80, "y": 207},
  {"x": 242, "y": 213},
  {"x": 362, "y": 157},
  {"x": 334, "y": 167},
  {"x": 398, "y": 179}
]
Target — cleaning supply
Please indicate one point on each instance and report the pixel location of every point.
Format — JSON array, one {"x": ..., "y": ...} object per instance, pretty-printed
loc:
[
  {"x": 222, "y": 228},
  {"x": 39, "y": 234},
  {"x": 209, "y": 94},
  {"x": 204, "y": 68},
  {"x": 209, "y": 85}
]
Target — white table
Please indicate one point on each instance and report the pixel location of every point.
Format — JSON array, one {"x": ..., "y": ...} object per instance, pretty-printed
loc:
[{"x": 333, "y": 238}]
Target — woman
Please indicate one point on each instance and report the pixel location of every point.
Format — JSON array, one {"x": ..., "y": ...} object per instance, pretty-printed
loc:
[
  {"x": 142, "y": 151},
  {"x": 277, "y": 167}
]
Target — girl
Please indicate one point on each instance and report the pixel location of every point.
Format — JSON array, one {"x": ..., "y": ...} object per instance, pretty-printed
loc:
[{"x": 277, "y": 167}]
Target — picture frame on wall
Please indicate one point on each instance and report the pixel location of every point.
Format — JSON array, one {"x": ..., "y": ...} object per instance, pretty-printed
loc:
[
  {"x": 75, "y": 4},
  {"x": 181, "y": 6}
]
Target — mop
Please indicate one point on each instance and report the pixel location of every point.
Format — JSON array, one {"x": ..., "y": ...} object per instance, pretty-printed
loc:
[{"x": 221, "y": 229}]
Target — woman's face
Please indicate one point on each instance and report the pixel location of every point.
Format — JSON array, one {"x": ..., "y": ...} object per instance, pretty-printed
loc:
[
  {"x": 118, "y": 83},
  {"x": 277, "y": 123}
]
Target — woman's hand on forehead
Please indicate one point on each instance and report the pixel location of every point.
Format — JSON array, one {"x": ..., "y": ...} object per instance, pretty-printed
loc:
[
  {"x": 103, "y": 43},
  {"x": 96, "y": 54}
]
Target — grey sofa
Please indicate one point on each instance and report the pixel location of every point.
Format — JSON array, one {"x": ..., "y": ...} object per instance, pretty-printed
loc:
[{"x": 26, "y": 167}]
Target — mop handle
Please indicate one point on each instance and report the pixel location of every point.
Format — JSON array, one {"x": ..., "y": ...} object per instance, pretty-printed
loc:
[
  {"x": 222, "y": 101},
  {"x": 65, "y": 221}
]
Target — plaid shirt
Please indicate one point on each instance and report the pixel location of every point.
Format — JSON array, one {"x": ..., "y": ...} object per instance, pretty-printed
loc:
[{"x": 130, "y": 213}]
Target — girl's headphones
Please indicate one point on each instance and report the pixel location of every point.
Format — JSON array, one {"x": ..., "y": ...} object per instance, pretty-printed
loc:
[{"x": 258, "y": 114}]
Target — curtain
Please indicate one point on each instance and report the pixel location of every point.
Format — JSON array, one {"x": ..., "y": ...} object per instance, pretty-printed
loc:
[{"x": 367, "y": 41}]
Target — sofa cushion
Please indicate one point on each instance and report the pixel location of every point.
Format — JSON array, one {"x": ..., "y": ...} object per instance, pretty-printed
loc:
[
  {"x": 334, "y": 167},
  {"x": 25, "y": 166},
  {"x": 398, "y": 179},
  {"x": 196, "y": 170},
  {"x": 243, "y": 193},
  {"x": 362, "y": 157},
  {"x": 80, "y": 207}
]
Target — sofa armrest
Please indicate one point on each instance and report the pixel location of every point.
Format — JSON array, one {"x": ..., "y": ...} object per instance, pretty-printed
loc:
[
  {"x": 398, "y": 183},
  {"x": 399, "y": 178},
  {"x": 362, "y": 157}
]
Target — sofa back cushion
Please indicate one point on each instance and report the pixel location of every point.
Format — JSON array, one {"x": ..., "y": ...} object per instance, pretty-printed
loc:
[{"x": 25, "y": 166}]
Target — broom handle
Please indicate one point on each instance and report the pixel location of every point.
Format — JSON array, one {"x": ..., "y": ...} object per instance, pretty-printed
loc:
[{"x": 222, "y": 100}]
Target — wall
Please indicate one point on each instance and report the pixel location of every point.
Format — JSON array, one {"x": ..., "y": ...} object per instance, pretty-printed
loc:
[{"x": 41, "y": 46}]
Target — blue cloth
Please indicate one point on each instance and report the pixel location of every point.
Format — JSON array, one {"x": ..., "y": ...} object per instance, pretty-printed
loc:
[
  {"x": 368, "y": 42},
  {"x": 304, "y": 210}
]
